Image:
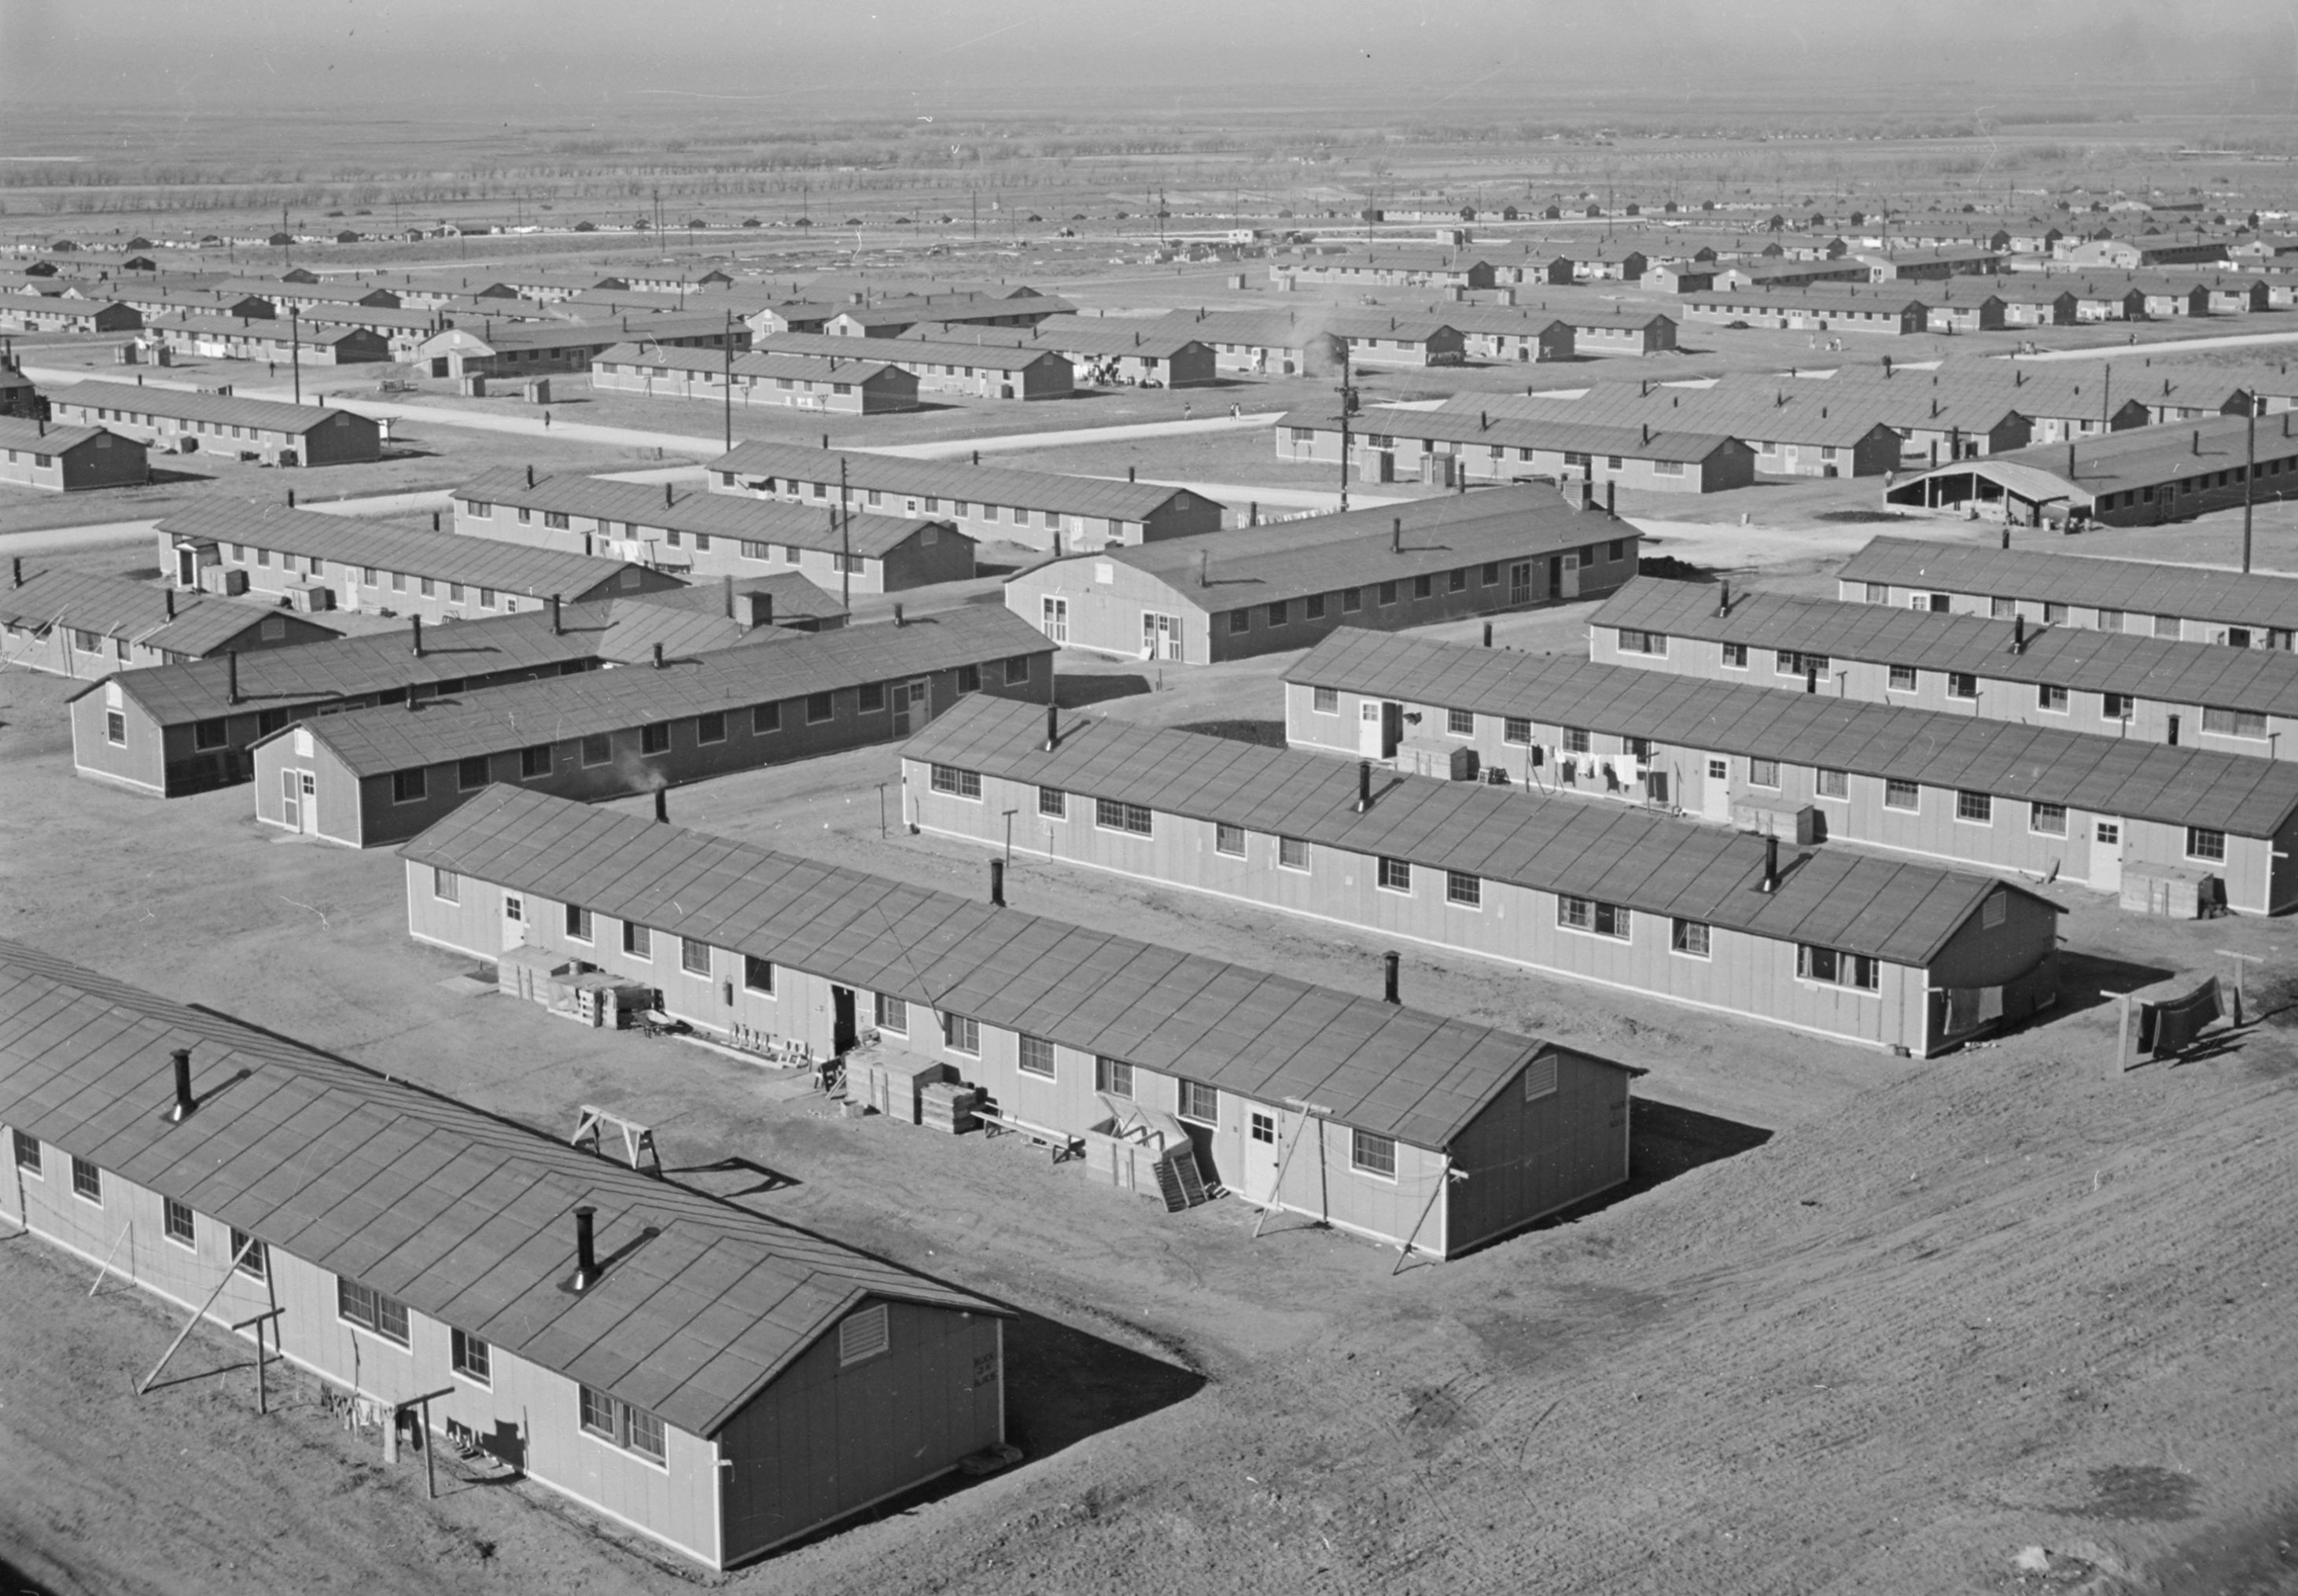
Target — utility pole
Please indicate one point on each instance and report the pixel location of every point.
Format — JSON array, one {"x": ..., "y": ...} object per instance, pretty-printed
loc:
[
  {"x": 1348, "y": 408},
  {"x": 844, "y": 540},
  {"x": 730, "y": 382},
  {"x": 295, "y": 353},
  {"x": 2249, "y": 474}
]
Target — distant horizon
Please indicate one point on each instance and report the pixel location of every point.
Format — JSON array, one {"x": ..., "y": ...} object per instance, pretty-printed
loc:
[{"x": 1183, "y": 58}]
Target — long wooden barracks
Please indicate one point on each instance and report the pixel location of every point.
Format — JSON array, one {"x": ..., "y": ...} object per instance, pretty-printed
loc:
[
  {"x": 181, "y": 423},
  {"x": 713, "y": 534},
  {"x": 1038, "y": 509},
  {"x": 81, "y": 624},
  {"x": 703, "y": 1376},
  {"x": 378, "y": 775},
  {"x": 1419, "y": 1131},
  {"x": 1283, "y": 585},
  {"x": 2039, "y": 801},
  {"x": 170, "y": 731},
  {"x": 2114, "y": 683},
  {"x": 319, "y": 562},
  {"x": 2234, "y": 609},
  {"x": 1877, "y": 952}
]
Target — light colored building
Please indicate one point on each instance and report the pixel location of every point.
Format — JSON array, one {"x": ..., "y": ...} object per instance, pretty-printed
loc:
[
  {"x": 1297, "y": 1099},
  {"x": 1039, "y": 509},
  {"x": 2258, "y": 610},
  {"x": 175, "y": 422},
  {"x": 68, "y": 459},
  {"x": 1859, "y": 949},
  {"x": 374, "y": 776},
  {"x": 1260, "y": 589},
  {"x": 706, "y": 1378}
]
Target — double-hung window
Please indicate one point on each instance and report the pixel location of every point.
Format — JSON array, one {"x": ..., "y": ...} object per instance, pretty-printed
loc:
[
  {"x": 370, "y": 1309},
  {"x": 1599, "y": 919},
  {"x": 956, "y": 783},
  {"x": 1395, "y": 874},
  {"x": 1832, "y": 967},
  {"x": 1372, "y": 1155},
  {"x": 1037, "y": 1056},
  {"x": 893, "y": 1014},
  {"x": 1111, "y": 815}
]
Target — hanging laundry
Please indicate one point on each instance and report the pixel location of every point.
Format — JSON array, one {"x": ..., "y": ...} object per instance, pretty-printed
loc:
[{"x": 2174, "y": 1024}]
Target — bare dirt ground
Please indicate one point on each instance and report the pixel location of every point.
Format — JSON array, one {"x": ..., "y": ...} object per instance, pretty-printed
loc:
[{"x": 1948, "y": 1310}]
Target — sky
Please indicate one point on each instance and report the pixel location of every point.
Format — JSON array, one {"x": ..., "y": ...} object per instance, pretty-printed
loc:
[{"x": 1188, "y": 56}]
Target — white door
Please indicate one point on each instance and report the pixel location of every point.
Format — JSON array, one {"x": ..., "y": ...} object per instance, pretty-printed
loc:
[
  {"x": 310, "y": 785},
  {"x": 291, "y": 800},
  {"x": 1716, "y": 792},
  {"x": 1056, "y": 626},
  {"x": 1160, "y": 636},
  {"x": 2107, "y": 855},
  {"x": 1263, "y": 1157},
  {"x": 514, "y": 921},
  {"x": 1369, "y": 739}
]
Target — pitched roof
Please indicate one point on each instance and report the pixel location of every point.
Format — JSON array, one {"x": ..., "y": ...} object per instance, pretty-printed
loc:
[
  {"x": 352, "y": 667},
  {"x": 1611, "y": 852},
  {"x": 556, "y": 334},
  {"x": 953, "y": 479},
  {"x": 396, "y": 545},
  {"x": 988, "y": 352},
  {"x": 1383, "y": 1068},
  {"x": 1317, "y": 553},
  {"x": 856, "y": 367},
  {"x": 2102, "y": 775},
  {"x": 688, "y": 510},
  {"x": 2139, "y": 457},
  {"x": 462, "y": 1214},
  {"x": 115, "y": 607},
  {"x": 1556, "y": 428},
  {"x": 48, "y": 438},
  {"x": 267, "y": 414},
  {"x": 2140, "y": 586},
  {"x": 373, "y": 741},
  {"x": 2264, "y": 680}
]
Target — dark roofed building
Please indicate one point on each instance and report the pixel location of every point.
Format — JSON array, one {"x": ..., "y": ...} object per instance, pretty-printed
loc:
[
  {"x": 1060, "y": 1025},
  {"x": 375, "y": 776},
  {"x": 63, "y": 458},
  {"x": 81, "y": 624},
  {"x": 1258, "y": 589},
  {"x": 663, "y": 1390},
  {"x": 1038, "y": 509},
  {"x": 323, "y": 561},
  {"x": 716, "y": 534},
  {"x": 179, "y": 422},
  {"x": 1853, "y": 948}
]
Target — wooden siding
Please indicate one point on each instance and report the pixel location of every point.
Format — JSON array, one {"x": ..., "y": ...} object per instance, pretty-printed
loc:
[
  {"x": 1319, "y": 1183},
  {"x": 2259, "y": 875},
  {"x": 824, "y": 1441},
  {"x": 370, "y": 817},
  {"x": 1750, "y": 977},
  {"x": 1527, "y": 1157},
  {"x": 537, "y": 1411}
]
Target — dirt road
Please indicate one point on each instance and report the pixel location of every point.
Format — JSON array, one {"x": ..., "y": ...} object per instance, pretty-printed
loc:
[{"x": 1949, "y": 1310}]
